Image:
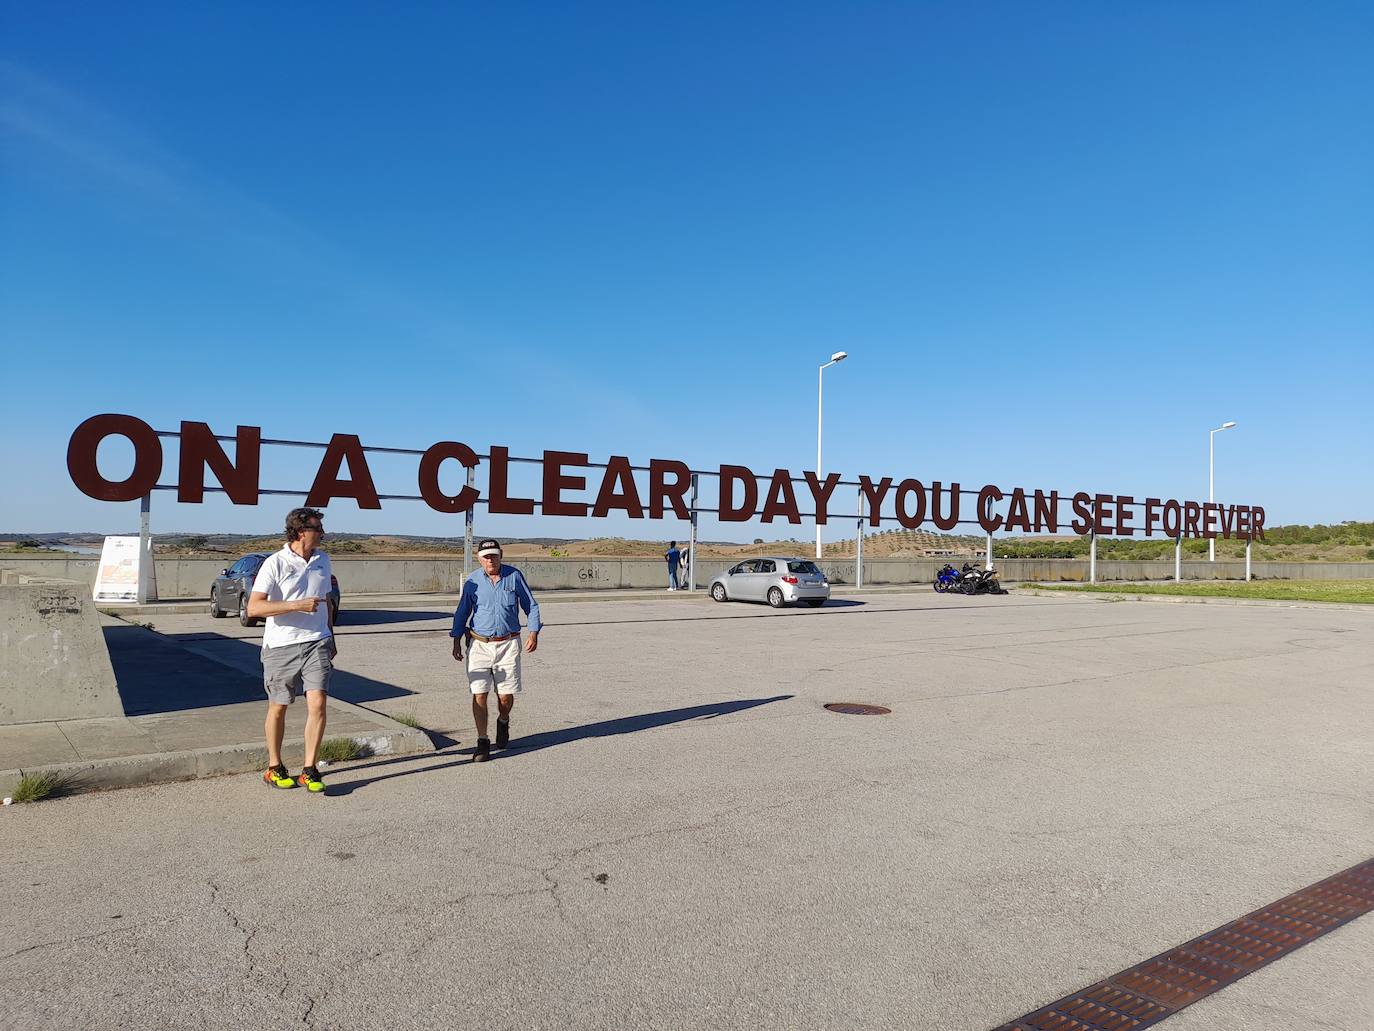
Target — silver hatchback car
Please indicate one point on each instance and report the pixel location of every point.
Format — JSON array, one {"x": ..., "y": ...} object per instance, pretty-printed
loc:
[{"x": 776, "y": 580}]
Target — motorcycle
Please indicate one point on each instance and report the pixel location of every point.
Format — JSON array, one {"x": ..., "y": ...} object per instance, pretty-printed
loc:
[
  {"x": 946, "y": 580},
  {"x": 980, "y": 581}
]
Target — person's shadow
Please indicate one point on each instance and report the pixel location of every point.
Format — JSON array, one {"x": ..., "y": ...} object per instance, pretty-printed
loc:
[{"x": 563, "y": 736}]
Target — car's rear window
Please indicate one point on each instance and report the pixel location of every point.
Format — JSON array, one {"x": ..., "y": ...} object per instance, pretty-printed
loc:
[{"x": 802, "y": 567}]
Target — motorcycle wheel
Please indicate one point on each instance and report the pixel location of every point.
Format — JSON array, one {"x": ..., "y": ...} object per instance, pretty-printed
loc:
[{"x": 941, "y": 587}]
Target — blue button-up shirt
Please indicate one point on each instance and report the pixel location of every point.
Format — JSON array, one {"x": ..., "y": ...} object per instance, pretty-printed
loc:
[{"x": 493, "y": 609}]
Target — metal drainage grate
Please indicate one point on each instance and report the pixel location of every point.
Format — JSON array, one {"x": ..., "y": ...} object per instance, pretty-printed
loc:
[
  {"x": 1147, "y": 993},
  {"x": 857, "y": 709}
]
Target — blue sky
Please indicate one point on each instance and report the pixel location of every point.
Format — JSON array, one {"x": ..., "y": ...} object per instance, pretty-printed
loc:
[{"x": 1060, "y": 242}]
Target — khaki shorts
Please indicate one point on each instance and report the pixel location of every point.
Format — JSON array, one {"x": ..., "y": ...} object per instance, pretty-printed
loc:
[
  {"x": 494, "y": 667},
  {"x": 289, "y": 669}
]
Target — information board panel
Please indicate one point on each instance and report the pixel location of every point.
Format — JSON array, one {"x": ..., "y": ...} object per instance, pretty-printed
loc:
[{"x": 121, "y": 563}]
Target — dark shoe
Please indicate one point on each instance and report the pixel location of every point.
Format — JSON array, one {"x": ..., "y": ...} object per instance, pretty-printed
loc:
[
  {"x": 483, "y": 752},
  {"x": 502, "y": 733}
]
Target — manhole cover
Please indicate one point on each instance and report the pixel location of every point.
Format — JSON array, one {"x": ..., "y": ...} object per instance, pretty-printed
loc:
[{"x": 857, "y": 709}]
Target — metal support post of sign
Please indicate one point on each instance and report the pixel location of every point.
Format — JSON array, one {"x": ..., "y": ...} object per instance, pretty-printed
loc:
[
  {"x": 1092, "y": 557},
  {"x": 467, "y": 530},
  {"x": 859, "y": 544},
  {"x": 1248, "y": 541},
  {"x": 989, "y": 565},
  {"x": 1178, "y": 558},
  {"x": 146, "y": 590},
  {"x": 692, "y": 541}
]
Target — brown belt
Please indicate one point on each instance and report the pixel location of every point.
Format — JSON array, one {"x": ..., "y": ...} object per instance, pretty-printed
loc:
[{"x": 491, "y": 640}]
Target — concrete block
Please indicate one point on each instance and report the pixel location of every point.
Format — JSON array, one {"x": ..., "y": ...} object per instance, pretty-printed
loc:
[{"x": 53, "y": 661}]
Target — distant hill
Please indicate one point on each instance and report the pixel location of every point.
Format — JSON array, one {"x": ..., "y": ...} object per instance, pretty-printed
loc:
[{"x": 1349, "y": 541}]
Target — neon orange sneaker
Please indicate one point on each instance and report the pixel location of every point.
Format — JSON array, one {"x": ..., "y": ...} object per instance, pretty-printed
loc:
[
  {"x": 310, "y": 779},
  {"x": 277, "y": 777}
]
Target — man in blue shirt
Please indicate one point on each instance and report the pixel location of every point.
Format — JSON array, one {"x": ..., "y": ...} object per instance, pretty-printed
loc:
[
  {"x": 488, "y": 614},
  {"x": 673, "y": 557}
]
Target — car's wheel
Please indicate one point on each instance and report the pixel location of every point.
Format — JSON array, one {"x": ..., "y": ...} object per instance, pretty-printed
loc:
[
  {"x": 815, "y": 603},
  {"x": 775, "y": 597},
  {"x": 718, "y": 592},
  {"x": 243, "y": 611},
  {"x": 215, "y": 610}
]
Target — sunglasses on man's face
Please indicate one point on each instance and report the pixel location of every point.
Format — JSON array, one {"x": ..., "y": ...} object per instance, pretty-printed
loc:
[{"x": 313, "y": 526}]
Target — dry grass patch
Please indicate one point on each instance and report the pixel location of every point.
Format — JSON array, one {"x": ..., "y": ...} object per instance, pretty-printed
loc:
[
  {"x": 35, "y": 787},
  {"x": 1360, "y": 592},
  {"x": 341, "y": 749}
]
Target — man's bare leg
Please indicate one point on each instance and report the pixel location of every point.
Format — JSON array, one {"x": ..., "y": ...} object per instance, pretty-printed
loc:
[
  {"x": 479, "y": 712},
  {"x": 314, "y": 724},
  {"x": 275, "y": 727},
  {"x": 505, "y": 703}
]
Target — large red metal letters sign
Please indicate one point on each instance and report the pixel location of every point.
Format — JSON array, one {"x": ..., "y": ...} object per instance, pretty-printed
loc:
[{"x": 669, "y": 481}]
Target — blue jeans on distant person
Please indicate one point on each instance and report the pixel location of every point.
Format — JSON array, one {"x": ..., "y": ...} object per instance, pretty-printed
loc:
[{"x": 672, "y": 577}]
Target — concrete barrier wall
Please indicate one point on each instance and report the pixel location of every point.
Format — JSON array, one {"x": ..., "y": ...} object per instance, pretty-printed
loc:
[
  {"x": 191, "y": 577},
  {"x": 53, "y": 661}
]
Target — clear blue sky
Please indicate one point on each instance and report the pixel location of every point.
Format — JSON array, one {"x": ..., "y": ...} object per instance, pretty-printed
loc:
[{"x": 1060, "y": 242}]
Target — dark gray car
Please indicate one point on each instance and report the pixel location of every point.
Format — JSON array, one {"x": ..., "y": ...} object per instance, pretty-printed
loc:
[
  {"x": 775, "y": 579},
  {"x": 229, "y": 593}
]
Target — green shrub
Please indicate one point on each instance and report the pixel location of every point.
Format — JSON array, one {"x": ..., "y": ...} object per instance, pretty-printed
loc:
[
  {"x": 34, "y": 787},
  {"x": 339, "y": 749}
]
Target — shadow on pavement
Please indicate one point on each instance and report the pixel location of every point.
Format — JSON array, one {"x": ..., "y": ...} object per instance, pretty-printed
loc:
[
  {"x": 375, "y": 617},
  {"x": 566, "y": 735},
  {"x": 157, "y": 673}
]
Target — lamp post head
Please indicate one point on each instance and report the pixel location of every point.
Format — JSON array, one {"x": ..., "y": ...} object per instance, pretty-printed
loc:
[
  {"x": 840, "y": 356},
  {"x": 1227, "y": 425}
]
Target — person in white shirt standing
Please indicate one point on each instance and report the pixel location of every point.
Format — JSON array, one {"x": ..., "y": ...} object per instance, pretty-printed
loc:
[{"x": 298, "y": 649}]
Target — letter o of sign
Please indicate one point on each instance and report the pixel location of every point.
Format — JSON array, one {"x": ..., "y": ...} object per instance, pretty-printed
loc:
[{"x": 85, "y": 472}]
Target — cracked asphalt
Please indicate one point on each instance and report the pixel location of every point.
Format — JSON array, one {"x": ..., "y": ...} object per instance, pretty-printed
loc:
[{"x": 682, "y": 837}]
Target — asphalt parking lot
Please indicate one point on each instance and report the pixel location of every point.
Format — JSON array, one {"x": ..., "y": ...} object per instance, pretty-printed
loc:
[{"x": 683, "y": 837}]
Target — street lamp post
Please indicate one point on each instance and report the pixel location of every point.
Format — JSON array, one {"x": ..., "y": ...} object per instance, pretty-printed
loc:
[
  {"x": 1211, "y": 479},
  {"x": 838, "y": 356}
]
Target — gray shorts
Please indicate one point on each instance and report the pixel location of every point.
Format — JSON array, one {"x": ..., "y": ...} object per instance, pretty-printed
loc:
[{"x": 289, "y": 669}]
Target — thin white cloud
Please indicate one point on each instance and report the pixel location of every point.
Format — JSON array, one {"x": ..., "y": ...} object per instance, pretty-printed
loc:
[{"x": 42, "y": 122}]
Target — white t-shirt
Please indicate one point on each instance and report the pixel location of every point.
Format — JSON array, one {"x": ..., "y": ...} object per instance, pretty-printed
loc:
[{"x": 285, "y": 576}]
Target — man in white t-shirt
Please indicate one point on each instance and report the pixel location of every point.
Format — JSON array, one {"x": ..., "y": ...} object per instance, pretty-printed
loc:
[{"x": 292, "y": 592}]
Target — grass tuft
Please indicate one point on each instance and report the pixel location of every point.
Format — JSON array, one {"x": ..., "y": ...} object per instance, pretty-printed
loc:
[
  {"x": 34, "y": 787},
  {"x": 340, "y": 749},
  {"x": 406, "y": 719}
]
